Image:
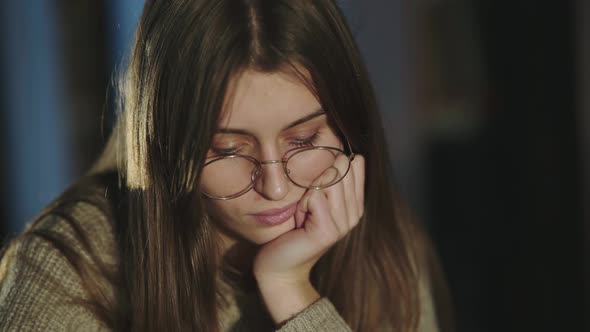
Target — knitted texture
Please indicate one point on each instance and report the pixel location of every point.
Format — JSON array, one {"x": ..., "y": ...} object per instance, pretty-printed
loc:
[
  {"x": 320, "y": 316},
  {"x": 37, "y": 284}
]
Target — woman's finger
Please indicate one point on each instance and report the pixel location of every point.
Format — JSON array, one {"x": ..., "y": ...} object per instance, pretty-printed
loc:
[
  {"x": 303, "y": 207},
  {"x": 322, "y": 226},
  {"x": 348, "y": 187},
  {"x": 313, "y": 216},
  {"x": 358, "y": 166},
  {"x": 302, "y": 210},
  {"x": 335, "y": 196}
]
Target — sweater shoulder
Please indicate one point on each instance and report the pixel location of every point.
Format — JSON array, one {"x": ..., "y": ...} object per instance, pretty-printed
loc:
[
  {"x": 80, "y": 229},
  {"x": 40, "y": 278},
  {"x": 82, "y": 226}
]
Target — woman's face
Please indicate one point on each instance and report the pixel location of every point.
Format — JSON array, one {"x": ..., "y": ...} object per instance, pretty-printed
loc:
[{"x": 267, "y": 115}]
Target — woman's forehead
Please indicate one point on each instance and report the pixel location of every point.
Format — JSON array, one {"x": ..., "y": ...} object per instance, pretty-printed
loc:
[{"x": 266, "y": 101}]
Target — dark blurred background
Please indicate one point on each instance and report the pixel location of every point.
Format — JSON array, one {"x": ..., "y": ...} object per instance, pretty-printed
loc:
[{"x": 486, "y": 104}]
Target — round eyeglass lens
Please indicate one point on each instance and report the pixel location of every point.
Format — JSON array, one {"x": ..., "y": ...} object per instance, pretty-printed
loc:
[
  {"x": 227, "y": 176},
  {"x": 312, "y": 168}
]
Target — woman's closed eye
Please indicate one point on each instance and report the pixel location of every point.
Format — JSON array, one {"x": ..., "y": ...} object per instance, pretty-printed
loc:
[
  {"x": 226, "y": 151},
  {"x": 299, "y": 142},
  {"x": 306, "y": 142},
  {"x": 227, "y": 148}
]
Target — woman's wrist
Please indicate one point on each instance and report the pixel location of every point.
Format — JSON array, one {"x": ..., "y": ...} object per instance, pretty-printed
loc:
[{"x": 286, "y": 298}]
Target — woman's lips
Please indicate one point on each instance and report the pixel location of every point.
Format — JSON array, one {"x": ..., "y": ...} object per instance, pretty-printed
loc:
[{"x": 276, "y": 216}]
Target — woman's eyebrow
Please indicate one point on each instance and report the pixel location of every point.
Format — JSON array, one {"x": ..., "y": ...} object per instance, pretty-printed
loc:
[
  {"x": 297, "y": 122},
  {"x": 305, "y": 119}
]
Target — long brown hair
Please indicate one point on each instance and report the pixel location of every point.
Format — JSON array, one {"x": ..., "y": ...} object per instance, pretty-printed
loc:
[{"x": 185, "y": 55}]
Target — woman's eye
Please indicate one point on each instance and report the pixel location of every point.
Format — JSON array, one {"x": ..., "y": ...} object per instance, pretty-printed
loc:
[
  {"x": 225, "y": 152},
  {"x": 306, "y": 142}
]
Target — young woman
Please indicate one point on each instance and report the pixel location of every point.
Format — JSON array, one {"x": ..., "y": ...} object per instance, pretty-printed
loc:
[{"x": 245, "y": 187}]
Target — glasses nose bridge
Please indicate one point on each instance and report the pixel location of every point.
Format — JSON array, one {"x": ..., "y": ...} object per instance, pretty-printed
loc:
[{"x": 270, "y": 162}]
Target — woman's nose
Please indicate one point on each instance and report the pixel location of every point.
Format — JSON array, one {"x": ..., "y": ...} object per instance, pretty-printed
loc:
[{"x": 272, "y": 183}]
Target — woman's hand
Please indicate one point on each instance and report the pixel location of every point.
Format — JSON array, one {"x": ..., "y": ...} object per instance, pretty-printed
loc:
[{"x": 282, "y": 266}]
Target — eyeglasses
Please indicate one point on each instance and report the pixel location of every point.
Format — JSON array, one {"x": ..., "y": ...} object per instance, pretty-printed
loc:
[{"x": 230, "y": 176}]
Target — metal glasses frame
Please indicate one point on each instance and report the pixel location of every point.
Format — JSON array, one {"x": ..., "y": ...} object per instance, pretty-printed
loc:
[{"x": 259, "y": 163}]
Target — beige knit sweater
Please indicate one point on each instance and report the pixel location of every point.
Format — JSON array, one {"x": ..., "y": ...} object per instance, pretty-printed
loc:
[{"x": 36, "y": 288}]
